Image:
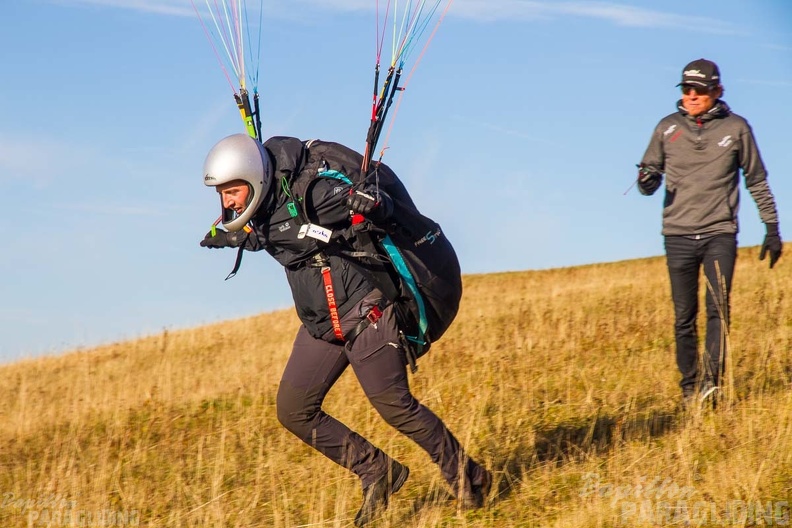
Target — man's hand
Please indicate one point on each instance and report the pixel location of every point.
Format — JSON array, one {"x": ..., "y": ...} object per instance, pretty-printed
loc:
[
  {"x": 223, "y": 239},
  {"x": 648, "y": 180},
  {"x": 367, "y": 205},
  {"x": 771, "y": 244},
  {"x": 361, "y": 203}
]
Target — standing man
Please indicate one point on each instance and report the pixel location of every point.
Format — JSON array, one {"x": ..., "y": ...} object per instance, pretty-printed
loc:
[
  {"x": 701, "y": 149},
  {"x": 272, "y": 199}
]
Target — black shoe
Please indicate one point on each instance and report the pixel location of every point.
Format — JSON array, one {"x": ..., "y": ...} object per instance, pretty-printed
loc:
[
  {"x": 688, "y": 399},
  {"x": 375, "y": 496},
  {"x": 477, "y": 495},
  {"x": 708, "y": 395}
]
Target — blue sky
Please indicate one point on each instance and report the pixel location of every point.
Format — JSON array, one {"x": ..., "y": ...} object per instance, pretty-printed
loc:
[{"x": 519, "y": 133}]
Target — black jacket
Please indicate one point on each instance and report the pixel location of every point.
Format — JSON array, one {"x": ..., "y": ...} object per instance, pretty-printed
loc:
[{"x": 276, "y": 230}]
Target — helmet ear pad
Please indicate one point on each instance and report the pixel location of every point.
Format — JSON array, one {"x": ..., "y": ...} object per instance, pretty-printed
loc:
[{"x": 240, "y": 157}]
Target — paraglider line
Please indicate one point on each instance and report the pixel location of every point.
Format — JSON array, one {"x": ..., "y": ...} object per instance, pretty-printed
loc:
[{"x": 214, "y": 48}]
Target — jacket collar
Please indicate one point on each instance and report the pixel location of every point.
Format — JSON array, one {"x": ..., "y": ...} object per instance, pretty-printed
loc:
[{"x": 719, "y": 110}]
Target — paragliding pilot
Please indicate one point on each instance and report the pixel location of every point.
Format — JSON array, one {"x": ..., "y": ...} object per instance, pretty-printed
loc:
[{"x": 346, "y": 317}]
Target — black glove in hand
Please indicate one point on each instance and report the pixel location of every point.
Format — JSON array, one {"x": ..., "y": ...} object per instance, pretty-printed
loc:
[
  {"x": 648, "y": 181},
  {"x": 361, "y": 202},
  {"x": 367, "y": 205},
  {"x": 649, "y": 186},
  {"x": 771, "y": 244},
  {"x": 223, "y": 239}
]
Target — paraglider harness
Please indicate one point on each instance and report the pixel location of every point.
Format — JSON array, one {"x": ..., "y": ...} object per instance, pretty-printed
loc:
[{"x": 407, "y": 257}]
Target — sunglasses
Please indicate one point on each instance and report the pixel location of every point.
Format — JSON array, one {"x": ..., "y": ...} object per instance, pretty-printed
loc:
[{"x": 700, "y": 90}]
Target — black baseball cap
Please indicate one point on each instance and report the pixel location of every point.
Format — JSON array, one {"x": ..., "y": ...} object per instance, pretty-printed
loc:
[{"x": 701, "y": 72}]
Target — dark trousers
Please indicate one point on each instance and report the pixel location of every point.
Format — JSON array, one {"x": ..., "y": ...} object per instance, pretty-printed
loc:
[
  {"x": 379, "y": 364},
  {"x": 685, "y": 257}
]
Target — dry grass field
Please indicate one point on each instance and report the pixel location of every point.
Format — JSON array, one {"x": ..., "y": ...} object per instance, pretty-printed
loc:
[{"x": 563, "y": 381}]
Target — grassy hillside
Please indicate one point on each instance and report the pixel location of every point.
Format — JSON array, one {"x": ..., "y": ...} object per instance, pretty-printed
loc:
[{"x": 562, "y": 381}]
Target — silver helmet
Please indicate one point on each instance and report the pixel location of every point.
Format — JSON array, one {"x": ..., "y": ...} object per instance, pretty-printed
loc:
[{"x": 239, "y": 157}]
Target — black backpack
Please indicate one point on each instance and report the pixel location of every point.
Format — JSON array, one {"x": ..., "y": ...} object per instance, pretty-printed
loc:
[{"x": 409, "y": 258}]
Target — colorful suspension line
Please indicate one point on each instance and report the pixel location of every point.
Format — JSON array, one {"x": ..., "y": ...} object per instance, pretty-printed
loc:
[
  {"x": 415, "y": 20},
  {"x": 230, "y": 25}
]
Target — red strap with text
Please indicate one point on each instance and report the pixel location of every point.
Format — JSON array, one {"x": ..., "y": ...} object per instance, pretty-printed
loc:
[{"x": 335, "y": 320}]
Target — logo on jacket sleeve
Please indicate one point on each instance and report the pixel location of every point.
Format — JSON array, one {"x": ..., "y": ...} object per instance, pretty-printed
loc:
[
  {"x": 669, "y": 130},
  {"x": 725, "y": 142}
]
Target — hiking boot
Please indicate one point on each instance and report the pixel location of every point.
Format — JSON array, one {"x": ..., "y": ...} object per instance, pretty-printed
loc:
[
  {"x": 476, "y": 496},
  {"x": 376, "y": 495}
]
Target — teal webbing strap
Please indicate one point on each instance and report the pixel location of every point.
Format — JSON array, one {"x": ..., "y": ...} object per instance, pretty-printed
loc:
[
  {"x": 401, "y": 267},
  {"x": 335, "y": 175}
]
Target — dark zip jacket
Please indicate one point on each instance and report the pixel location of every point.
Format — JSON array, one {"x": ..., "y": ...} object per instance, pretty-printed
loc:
[
  {"x": 701, "y": 158},
  {"x": 276, "y": 230}
]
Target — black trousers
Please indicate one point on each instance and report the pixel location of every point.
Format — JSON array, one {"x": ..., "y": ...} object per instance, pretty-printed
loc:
[
  {"x": 379, "y": 364},
  {"x": 685, "y": 257}
]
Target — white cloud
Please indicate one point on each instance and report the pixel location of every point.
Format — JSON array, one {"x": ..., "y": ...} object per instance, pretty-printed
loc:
[
  {"x": 619, "y": 14},
  {"x": 160, "y": 7},
  {"x": 636, "y": 17},
  {"x": 183, "y": 8},
  {"x": 480, "y": 10}
]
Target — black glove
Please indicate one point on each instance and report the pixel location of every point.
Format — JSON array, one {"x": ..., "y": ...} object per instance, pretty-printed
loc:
[
  {"x": 772, "y": 243},
  {"x": 648, "y": 180},
  {"x": 223, "y": 239},
  {"x": 367, "y": 205}
]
